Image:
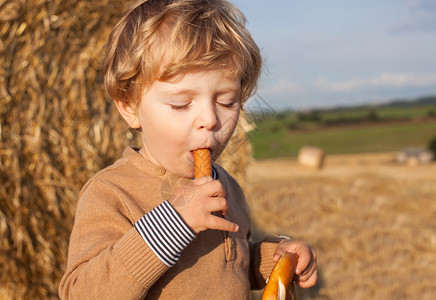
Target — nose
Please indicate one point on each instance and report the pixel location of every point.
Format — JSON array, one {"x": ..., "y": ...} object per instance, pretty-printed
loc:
[{"x": 207, "y": 117}]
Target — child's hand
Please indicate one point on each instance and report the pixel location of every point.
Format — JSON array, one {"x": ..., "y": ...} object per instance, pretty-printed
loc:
[
  {"x": 306, "y": 273},
  {"x": 208, "y": 196}
]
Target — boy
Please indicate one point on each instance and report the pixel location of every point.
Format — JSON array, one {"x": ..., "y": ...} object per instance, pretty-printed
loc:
[{"x": 178, "y": 71}]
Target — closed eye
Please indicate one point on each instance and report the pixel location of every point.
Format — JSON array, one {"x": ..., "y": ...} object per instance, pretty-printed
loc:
[
  {"x": 183, "y": 107},
  {"x": 227, "y": 105}
]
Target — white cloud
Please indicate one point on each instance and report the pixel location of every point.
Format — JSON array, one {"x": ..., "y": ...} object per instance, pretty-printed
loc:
[
  {"x": 393, "y": 80},
  {"x": 281, "y": 88}
]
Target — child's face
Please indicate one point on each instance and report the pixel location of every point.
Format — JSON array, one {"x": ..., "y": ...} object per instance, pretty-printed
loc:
[{"x": 198, "y": 110}]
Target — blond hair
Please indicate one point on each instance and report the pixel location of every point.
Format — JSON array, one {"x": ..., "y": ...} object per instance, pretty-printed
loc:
[{"x": 159, "y": 39}]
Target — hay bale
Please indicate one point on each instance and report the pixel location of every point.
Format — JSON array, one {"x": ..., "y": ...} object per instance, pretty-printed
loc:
[
  {"x": 57, "y": 129},
  {"x": 312, "y": 157},
  {"x": 414, "y": 156},
  {"x": 236, "y": 156}
]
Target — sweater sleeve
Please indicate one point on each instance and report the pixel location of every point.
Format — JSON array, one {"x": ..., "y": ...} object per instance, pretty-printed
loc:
[
  {"x": 165, "y": 233},
  {"x": 261, "y": 261},
  {"x": 108, "y": 257}
]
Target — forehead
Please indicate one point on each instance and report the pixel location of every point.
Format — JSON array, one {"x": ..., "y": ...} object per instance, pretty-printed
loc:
[{"x": 210, "y": 81}]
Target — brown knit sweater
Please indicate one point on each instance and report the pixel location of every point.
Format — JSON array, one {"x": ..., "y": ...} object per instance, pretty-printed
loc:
[{"x": 108, "y": 258}]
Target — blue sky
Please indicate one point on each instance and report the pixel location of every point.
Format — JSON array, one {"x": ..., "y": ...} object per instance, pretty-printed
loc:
[{"x": 321, "y": 53}]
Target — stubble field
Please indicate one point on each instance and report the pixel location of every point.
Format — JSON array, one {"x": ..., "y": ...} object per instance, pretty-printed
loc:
[{"x": 372, "y": 222}]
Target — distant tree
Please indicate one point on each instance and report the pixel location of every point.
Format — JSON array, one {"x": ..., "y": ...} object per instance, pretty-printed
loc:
[
  {"x": 293, "y": 126},
  {"x": 281, "y": 115},
  {"x": 372, "y": 115},
  {"x": 311, "y": 116}
]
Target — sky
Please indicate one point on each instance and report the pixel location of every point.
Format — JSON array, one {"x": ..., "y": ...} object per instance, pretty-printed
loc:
[{"x": 329, "y": 53}]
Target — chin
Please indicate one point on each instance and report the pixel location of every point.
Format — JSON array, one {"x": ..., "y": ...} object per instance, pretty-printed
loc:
[{"x": 186, "y": 173}]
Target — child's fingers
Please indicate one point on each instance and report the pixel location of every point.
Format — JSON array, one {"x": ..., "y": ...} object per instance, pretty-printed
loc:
[
  {"x": 211, "y": 187},
  {"x": 307, "y": 255},
  {"x": 202, "y": 180},
  {"x": 222, "y": 224},
  {"x": 217, "y": 204},
  {"x": 302, "y": 264},
  {"x": 279, "y": 251},
  {"x": 306, "y": 262},
  {"x": 208, "y": 198},
  {"x": 308, "y": 280}
]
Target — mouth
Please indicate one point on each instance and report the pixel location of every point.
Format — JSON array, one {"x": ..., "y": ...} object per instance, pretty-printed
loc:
[{"x": 199, "y": 148}]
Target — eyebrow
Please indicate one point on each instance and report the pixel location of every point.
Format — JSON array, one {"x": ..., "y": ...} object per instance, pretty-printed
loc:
[
  {"x": 225, "y": 90},
  {"x": 171, "y": 92}
]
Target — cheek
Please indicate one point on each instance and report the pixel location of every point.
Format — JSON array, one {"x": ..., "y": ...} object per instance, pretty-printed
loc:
[
  {"x": 229, "y": 122},
  {"x": 163, "y": 132},
  {"x": 232, "y": 119}
]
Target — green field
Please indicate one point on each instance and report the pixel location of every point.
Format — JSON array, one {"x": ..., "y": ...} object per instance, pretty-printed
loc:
[
  {"x": 379, "y": 113},
  {"x": 276, "y": 138}
]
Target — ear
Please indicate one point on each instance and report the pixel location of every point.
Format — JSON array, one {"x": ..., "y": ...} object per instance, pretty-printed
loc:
[{"x": 129, "y": 113}]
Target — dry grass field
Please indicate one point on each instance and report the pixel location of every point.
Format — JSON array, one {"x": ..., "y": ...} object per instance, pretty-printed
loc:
[{"x": 373, "y": 222}]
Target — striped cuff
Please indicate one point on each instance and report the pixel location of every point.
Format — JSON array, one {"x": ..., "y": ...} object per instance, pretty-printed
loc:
[{"x": 165, "y": 233}]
